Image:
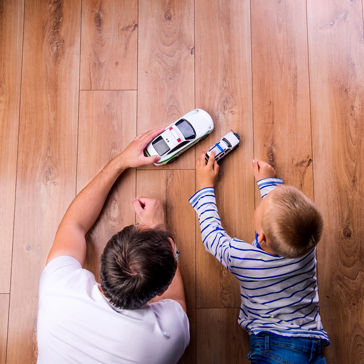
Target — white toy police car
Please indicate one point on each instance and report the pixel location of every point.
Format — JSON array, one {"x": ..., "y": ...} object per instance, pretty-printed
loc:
[
  {"x": 180, "y": 135},
  {"x": 224, "y": 146}
]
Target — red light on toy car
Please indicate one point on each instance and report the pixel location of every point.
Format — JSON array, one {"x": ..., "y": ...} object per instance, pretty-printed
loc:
[{"x": 179, "y": 140}]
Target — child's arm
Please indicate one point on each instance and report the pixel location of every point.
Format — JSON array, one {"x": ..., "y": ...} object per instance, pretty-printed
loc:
[
  {"x": 214, "y": 237},
  {"x": 265, "y": 176}
]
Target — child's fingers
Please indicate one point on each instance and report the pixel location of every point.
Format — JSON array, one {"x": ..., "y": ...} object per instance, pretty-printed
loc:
[
  {"x": 210, "y": 162},
  {"x": 198, "y": 160},
  {"x": 255, "y": 166},
  {"x": 201, "y": 159},
  {"x": 216, "y": 167}
]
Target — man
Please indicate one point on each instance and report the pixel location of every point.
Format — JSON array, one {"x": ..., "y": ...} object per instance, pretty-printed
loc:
[{"x": 137, "y": 314}]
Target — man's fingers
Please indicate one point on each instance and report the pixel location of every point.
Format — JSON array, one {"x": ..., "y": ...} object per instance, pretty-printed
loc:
[
  {"x": 148, "y": 136},
  {"x": 150, "y": 160},
  {"x": 138, "y": 208},
  {"x": 144, "y": 201},
  {"x": 141, "y": 135},
  {"x": 154, "y": 158}
]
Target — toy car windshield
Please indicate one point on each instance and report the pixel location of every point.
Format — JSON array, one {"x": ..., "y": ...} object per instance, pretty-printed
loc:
[
  {"x": 180, "y": 135},
  {"x": 160, "y": 146},
  {"x": 186, "y": 129}
]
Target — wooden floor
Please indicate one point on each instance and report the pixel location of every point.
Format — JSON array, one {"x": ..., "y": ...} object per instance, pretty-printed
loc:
[{"x": 79, "y": 79}]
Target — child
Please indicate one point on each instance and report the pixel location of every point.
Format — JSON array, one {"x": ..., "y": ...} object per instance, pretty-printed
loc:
[{"x": 277, "y": 273}]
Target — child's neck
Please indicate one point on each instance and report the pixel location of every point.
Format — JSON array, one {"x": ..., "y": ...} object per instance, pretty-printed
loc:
[
  {"x": 263, "y": 244},
  {"x": 267, "y": 249}
]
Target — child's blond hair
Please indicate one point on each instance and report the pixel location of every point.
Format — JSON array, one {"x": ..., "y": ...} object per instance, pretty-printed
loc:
[{"x": 291, "y": 222}]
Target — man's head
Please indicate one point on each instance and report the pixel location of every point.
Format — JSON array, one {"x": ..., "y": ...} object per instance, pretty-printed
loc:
[
  {"x": 288, "y": 222},
  {"x": 137, "y": 265}
]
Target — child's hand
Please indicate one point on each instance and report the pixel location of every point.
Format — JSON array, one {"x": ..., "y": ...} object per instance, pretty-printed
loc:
[
  {"x": 263, "y": 170},
  {"x": 206, "y": 174}
]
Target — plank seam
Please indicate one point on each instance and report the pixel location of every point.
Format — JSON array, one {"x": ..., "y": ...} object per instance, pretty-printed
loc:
[
  {"x": 194, "y": 220},
  {"x": 137, "y": 100},
  {"x": 362, "y": 15},
  {"x": 309, "y": 96},
  {"x": 16, "y": 183},
  {"x": 252, "y": 85},
  {"x": 165, "y": 169},
  {"x": 79, "y": 97},
  {"x": 101, "y": 90}
]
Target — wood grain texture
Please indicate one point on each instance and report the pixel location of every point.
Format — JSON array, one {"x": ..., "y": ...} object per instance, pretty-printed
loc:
[
  {"x": 109, "y": 44},
  {"x": 107, "y": 124},
  {"x": 166, "y": 66},
  {"x": 174, "y": 188},
  {"x": 223, "y": 87},
  {"x": 336, "y": 47},
  {"x": 11, "y": 41},
  {"x": 4, "y": 309},
  {"x": 47, "y": 156},
  {"x": 172, "y": 37},
  {"x": 219, "y": 337},
  {"x": 281, "y": 101}
]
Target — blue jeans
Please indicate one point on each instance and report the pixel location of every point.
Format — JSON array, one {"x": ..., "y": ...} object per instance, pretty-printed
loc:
[{"x": 267, "y": 348}]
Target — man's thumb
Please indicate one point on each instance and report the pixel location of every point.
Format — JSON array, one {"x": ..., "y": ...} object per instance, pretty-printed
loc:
[{"x": 155, "y": 158}]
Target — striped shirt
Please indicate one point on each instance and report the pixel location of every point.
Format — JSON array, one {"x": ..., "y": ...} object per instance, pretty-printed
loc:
[{"x": 278, "y": 295}]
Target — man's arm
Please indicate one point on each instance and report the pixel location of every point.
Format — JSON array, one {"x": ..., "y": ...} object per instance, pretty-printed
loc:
[
  {"x": 86, "y": 207},
  {"x": 150, "y": 213}
]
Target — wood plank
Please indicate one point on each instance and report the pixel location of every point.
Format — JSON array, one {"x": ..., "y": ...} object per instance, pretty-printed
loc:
[
  {"x": 219, "y": 337},
  {"x": 174, "y": 188},
  {"x": 11, "y": 42},
  {"x": 336, "y": 47},
  {"x": 281, "y": 104},
  {"x": 166, "y": 66},
  {"x": 107, "y": 124},
  {"x": 189, "y": 356},
  {"x": 4, "y": 309},
  {"x": 223, "y": 87},
  {"x": 47, "y": 156},
  {"x": 109, "y": 44}
]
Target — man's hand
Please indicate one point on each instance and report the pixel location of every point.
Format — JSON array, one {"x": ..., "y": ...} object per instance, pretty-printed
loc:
[
  {"x": 133, "y": 154},
  {"x": 263, "y": 170},
  {"x": 206, "y": 174},
  {"x": 150, "y": 212}
]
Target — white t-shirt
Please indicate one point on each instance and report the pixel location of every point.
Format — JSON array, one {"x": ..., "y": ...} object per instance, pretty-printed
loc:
[{"x": 76, "y": 324}]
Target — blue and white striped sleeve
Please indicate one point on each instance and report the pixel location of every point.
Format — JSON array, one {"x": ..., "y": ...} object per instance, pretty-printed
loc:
[
  {"x": 266, "y": 185},
  {"x": 214, "y": 237}
]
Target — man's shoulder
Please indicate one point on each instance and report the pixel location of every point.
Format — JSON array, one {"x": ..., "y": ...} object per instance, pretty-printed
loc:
[
  {"x": 167, "y": 306},
  {"x": 171, "y": 315},
  {"x": 64, "y": 272}
]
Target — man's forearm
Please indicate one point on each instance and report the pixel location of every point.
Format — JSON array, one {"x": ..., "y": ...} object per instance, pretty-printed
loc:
[{"x": 87, "y": 205}]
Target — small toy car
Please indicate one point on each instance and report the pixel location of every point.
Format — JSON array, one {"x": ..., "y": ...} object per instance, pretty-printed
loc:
[
  {"x": 224, "y": 146},
  {"x": 180, "y": 135}
]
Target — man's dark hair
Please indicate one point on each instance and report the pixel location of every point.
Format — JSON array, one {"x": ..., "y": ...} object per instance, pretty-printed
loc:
[{"x": 137, "y": 265}]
